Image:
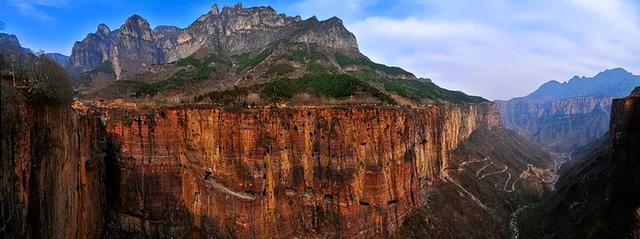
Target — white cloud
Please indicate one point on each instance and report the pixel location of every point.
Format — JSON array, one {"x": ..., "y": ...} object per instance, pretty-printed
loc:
[
  {"x": 506, "y": 49},
  {"x": 32, "y": 8}
]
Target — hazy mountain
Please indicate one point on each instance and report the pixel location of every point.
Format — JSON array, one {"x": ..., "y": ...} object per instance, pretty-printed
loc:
[
  {"x": 564, "y": 116},
  {"x": 614, "y": 83}
]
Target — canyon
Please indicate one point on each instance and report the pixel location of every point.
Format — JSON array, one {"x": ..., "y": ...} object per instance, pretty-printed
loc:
[
  {"x": 252, "y": 124},
  {"x": 203, "y": 171}
]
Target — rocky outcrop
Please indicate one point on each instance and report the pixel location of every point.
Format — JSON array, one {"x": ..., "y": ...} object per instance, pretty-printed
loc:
[
  {"x": 10, "y": 42},
  {"x": 564, "y": 116},
  {"x": 233, "y": 31},
  {"x": 279, "y": 172},
  {"x": 93, "y": 50}
]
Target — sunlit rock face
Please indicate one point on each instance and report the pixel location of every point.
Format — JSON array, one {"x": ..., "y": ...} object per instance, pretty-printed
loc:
[
  {"x": 234, "y": 30},
  {"x": 203, "y": 171},
  {"x": 280, "y": 172}
]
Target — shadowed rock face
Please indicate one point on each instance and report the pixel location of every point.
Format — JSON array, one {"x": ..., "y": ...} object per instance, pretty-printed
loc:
[
  {"x": 485, "y": 185},
  {"x": 235, "y": 30},
  {"x": 564, "y": 116},
  {"x": 51, "y": 173},
  {"x": 598, "y": 194}
]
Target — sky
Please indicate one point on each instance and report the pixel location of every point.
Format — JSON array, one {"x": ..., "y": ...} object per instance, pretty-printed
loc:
[{"x": 497, "y": 49}]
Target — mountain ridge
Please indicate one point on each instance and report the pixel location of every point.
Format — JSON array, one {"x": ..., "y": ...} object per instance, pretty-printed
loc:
[
  {"x": 617, "y": 82},
  {"x": 233, "y": 30}
]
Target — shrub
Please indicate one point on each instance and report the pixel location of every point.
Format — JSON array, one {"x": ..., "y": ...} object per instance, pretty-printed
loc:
[
  {"x": 280, "y": 69},
  {"x": 51, "y": 83},
  {"x": 246, "y": 61}
]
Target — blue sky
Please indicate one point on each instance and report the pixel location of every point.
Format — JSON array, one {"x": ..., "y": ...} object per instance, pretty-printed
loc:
[{"x": 497, "y": 49}]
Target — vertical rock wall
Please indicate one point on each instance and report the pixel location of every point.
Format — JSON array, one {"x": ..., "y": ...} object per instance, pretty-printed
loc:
[
  {"x": 278, "y": 172},
  {"x": 203, "y": 172},
  {"x": 51, "y": 173}
]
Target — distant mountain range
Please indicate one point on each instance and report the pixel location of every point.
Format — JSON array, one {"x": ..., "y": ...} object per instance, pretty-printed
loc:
[
  {"x": 564, "y": 116},
  {"x": 610, "y": 83}
]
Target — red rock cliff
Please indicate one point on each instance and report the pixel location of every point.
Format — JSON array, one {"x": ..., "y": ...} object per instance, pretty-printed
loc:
[{"x": 278, "y": 172}]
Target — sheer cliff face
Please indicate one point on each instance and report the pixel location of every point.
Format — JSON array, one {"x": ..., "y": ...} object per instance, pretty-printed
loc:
[
  {"x": 198, "y": 172},
  {"x": 280, "y": 172},
  {"x": 51, "y": 178},
  {"x": 235, "y": 30},
  {"x": 559, "y": 125}
]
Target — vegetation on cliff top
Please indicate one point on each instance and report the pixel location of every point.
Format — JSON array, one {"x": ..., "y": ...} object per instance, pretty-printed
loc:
[{"x": 40, "y": 79}]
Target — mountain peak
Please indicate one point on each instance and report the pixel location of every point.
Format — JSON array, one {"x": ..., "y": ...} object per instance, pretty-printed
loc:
[
  {"x": 335, "y": 20},
  {"x": 615, "y": 72},
  {"x": 233, "y": 30},
  {"x": 136, "y": 20},
  {"x": 136, "y": 26},
  {"x": 214, "y": 9},
  {"x": 103, "y": 28}
]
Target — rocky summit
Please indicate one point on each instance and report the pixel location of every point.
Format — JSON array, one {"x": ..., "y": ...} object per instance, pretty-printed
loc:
[{"x": 234, "y": 30}]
